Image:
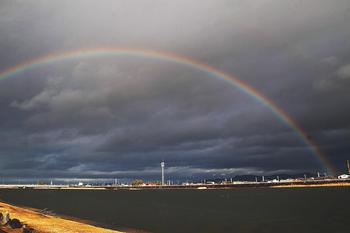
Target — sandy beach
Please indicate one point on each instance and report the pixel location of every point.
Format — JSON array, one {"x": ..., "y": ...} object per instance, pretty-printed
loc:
[{"x": 43, "y": 223}]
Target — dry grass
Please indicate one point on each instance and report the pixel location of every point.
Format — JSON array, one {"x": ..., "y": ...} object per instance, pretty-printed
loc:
[{"x": 46, "y": 223}]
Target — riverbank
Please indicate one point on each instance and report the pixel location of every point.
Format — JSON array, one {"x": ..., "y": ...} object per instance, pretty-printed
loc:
[
  {"x": 44, "y": 223},
  {"x": 311, "y": 182}
]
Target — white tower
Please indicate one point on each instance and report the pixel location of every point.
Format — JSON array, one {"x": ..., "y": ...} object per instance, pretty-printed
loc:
[{"x": 162, "y": 164}]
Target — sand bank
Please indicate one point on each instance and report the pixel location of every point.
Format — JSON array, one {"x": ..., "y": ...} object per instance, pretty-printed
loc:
[{"x": 43, "y": 223}]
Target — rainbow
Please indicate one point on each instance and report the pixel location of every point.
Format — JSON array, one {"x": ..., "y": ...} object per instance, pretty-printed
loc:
[{"x": 185, "y": 61}]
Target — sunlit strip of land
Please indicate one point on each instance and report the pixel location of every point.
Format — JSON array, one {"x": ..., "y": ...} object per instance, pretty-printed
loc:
[
  {"x": 43, "y": 223},
  {"x": 275, "y": 183},
  {"x": 312, "y": 185}
]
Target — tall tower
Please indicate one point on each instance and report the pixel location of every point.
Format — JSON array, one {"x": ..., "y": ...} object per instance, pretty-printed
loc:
[
  {"x": 162, "y": 164},
  {"x": 347, "y": 163}
]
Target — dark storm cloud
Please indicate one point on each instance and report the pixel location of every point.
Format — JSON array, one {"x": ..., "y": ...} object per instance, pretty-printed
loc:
[{"x": 119, "y": 117}]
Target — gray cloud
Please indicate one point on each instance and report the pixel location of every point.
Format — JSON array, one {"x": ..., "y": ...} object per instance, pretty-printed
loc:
[
  {"x": 120, "y": 116},
  {"x": 344, "y": 72}
]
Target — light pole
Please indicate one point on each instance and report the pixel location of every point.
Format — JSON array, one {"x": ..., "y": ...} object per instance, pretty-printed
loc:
[{"x": 162, "y": 164}]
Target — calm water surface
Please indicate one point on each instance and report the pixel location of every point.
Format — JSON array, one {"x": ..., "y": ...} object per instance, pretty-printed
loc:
[{"x": 237, "y": 210}]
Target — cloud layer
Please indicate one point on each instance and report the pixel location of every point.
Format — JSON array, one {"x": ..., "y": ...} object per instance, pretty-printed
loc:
[{"x": 120, "y": 116}]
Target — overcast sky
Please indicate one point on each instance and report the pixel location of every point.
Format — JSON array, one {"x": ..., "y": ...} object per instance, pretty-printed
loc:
[{"x": 120, "y": 116}]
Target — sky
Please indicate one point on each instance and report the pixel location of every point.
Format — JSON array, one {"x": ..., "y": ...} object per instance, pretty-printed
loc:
[{"x": 120, "y": 116}]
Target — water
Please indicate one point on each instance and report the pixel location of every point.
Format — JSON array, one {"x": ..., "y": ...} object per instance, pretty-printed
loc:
[{"x": 306, "y": 210}]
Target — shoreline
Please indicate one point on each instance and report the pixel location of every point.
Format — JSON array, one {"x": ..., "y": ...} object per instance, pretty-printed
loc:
[
  {"x": 239, "y": 184},
  {"x": 312, "y": 185},
  {"x": 46, "y": 223}
]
